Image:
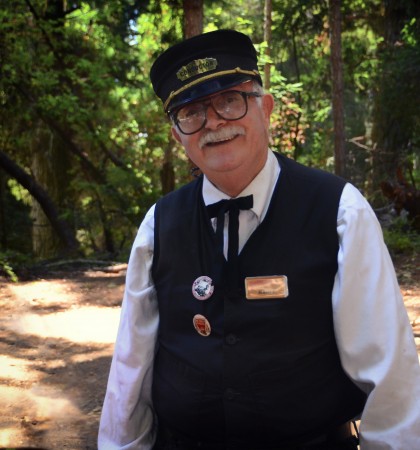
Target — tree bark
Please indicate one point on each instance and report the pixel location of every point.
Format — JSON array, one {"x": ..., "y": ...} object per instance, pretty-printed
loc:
[
  {"x": 337, "y": 88},
  {"x": 50, "y": 168},
  {"x": 193, "y": 26},
  {"x": 3, "y": 229},
  {"x": 267, "y": 38},
  {"x": 167, "y": 174},
  {"x": 193, "y": 17},
  {"x": 60, "y": 226}
]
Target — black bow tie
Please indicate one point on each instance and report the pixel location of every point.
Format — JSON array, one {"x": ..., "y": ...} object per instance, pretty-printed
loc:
[{"x": 233, "y": 206}]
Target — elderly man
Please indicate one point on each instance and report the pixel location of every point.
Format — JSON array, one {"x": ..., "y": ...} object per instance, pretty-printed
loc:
[{"x": 261, "y": 308}]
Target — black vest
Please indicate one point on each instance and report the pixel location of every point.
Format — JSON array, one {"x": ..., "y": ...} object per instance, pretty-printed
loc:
[{"x": 269, "y": 373}]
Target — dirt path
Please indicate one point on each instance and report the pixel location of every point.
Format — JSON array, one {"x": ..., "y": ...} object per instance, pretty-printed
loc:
[{"x": 56, "y": 339}]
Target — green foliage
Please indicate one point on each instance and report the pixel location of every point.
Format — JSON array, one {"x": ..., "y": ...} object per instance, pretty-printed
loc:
[
  {"x": 15, "y": 221},
  {"x": 288, "y": 123},
  {"x": 11, "y": 263},
  {"x": 241, "y": 16},
  {"x": 401, "y": 238},
  {"x": 81, "y": 77},
  {"x": 7, "y": 270}
]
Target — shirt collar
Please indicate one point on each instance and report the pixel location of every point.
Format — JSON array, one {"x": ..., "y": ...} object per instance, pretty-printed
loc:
[{"x": 261, "y": 187}]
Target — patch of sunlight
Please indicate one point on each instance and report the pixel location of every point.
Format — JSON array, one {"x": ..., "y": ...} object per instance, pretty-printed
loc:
[
  {"x": 16, "y": 369},
  {"x": 9, "y": 436},
  {"x": 56, "y": 292},
  {"x": 417, "y": 341},
  {"x": 12, "y": 397},
  {"x": 90, "y": 324},
  {"x": 41, "y": 403},
  {"x": 87, "y": 357},
  {"x": 50, "y": 402}
]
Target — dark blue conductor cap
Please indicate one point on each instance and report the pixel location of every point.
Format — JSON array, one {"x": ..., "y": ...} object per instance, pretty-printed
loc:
[{"x": 203, "y": 65}]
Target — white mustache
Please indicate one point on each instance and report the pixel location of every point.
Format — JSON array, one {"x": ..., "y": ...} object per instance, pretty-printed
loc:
[{"x": 224, "y": 134}]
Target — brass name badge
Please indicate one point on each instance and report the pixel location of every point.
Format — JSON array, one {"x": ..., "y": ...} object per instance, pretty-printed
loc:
[{"x": 262, "y": 288}]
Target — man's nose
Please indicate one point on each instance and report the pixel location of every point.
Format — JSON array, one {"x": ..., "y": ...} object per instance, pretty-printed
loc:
[{"x": 213, "y": 119}]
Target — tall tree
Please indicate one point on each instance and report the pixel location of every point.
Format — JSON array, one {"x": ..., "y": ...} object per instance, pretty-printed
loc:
[
  {"x": 337, "y": 87},
  {"x": 268, "y": 9},
  {"x": 50, "y": 159},
  {"x": 396, "y": 96},
  {"x": 51, "y": 168},
  {"x": 71, "y": 73},
  {"x": 192, "y": 26},
  {"x": 193, "y": 17},
  {"x": 64, "y": 232}
]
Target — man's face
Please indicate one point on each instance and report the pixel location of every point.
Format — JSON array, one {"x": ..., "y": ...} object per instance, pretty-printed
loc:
[{"x": 234, "y": 149}]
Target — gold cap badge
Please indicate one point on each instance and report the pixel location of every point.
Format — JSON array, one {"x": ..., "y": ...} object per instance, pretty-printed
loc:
[{"x": 196, "y": 67}]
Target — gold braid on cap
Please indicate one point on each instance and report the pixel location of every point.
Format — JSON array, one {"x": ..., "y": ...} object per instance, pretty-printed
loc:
[{"x": 205, "y": 78}]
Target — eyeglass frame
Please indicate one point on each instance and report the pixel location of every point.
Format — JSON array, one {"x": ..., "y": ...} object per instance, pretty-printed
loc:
[{"x": 209, "y": 103}]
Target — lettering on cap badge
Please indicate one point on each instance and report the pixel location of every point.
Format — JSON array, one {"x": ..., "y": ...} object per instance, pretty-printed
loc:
[
  {"x": 203, "y": 288},
  {"x": 196, "y": 67}
]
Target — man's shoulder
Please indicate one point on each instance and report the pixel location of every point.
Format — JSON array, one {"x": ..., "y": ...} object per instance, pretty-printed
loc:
[
  {"x": 303, "y": 173},
  {"x": 181, "y": 197}
]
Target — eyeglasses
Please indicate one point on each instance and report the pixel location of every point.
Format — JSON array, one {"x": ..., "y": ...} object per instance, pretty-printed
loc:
[{"x": 229, "y": 105}]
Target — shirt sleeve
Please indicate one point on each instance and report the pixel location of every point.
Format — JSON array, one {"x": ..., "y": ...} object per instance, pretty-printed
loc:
[
  {"x": 373, "y": 333},
  {"x": 127, "y": 420}
]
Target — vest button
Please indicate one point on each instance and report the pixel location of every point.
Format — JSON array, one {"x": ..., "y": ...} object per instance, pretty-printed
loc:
[
  {"x": 230, "y": 394},
  {"x": 231, "y": 339}
]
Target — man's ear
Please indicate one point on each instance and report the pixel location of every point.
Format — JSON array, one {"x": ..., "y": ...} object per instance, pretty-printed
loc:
[
  {"x": 175, "y": 134},
  {"x": 268, "y": 105}
]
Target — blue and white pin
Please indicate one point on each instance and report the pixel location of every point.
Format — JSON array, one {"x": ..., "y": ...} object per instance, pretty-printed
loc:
[{"x": 203, "y": 288}]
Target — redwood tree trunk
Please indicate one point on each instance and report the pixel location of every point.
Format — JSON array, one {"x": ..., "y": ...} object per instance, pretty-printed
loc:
[
  {"x": 267, "y": 38},
  {"x": 193, "y": 25},
  {"x": 337, "y": 88},
  {"x": 193, "y": 17},
  {"x": 61, "y": 227}
]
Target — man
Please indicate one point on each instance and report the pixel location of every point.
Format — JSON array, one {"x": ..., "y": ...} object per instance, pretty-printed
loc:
[{"x": 261, "y": 308}]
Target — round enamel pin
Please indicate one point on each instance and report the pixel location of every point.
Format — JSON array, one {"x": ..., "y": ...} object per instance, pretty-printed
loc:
[
  {"x": 202, "y": 288},
  {"x": 201, "y": 325}
]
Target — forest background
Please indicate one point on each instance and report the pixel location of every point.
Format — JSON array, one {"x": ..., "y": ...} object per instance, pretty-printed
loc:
[{"x": 85, "y": 148}]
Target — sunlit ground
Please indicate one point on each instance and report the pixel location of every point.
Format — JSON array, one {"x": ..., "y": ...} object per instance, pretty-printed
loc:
[
  {"x": 46, "y": 404},
  {"x": 47, "y": 313},
  {"x": 412, "y": 303},
  {"x": 76, "y": 324},
  {"x": 90, "y": 324}
]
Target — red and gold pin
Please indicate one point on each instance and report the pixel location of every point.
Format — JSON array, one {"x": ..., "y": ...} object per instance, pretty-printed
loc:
[{"x": 202, "y": 325}]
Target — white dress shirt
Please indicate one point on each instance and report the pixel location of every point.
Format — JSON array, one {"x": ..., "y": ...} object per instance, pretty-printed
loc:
[{"x": 373, "y": 333}]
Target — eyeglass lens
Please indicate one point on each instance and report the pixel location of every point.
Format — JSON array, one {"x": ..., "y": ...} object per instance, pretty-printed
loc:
[{"x": 230, "y": 105}]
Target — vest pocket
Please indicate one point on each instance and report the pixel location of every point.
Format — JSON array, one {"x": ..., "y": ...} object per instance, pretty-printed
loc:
[
  {"x": 177, "y": 391},
  {"x": 300, "y": 399}
]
